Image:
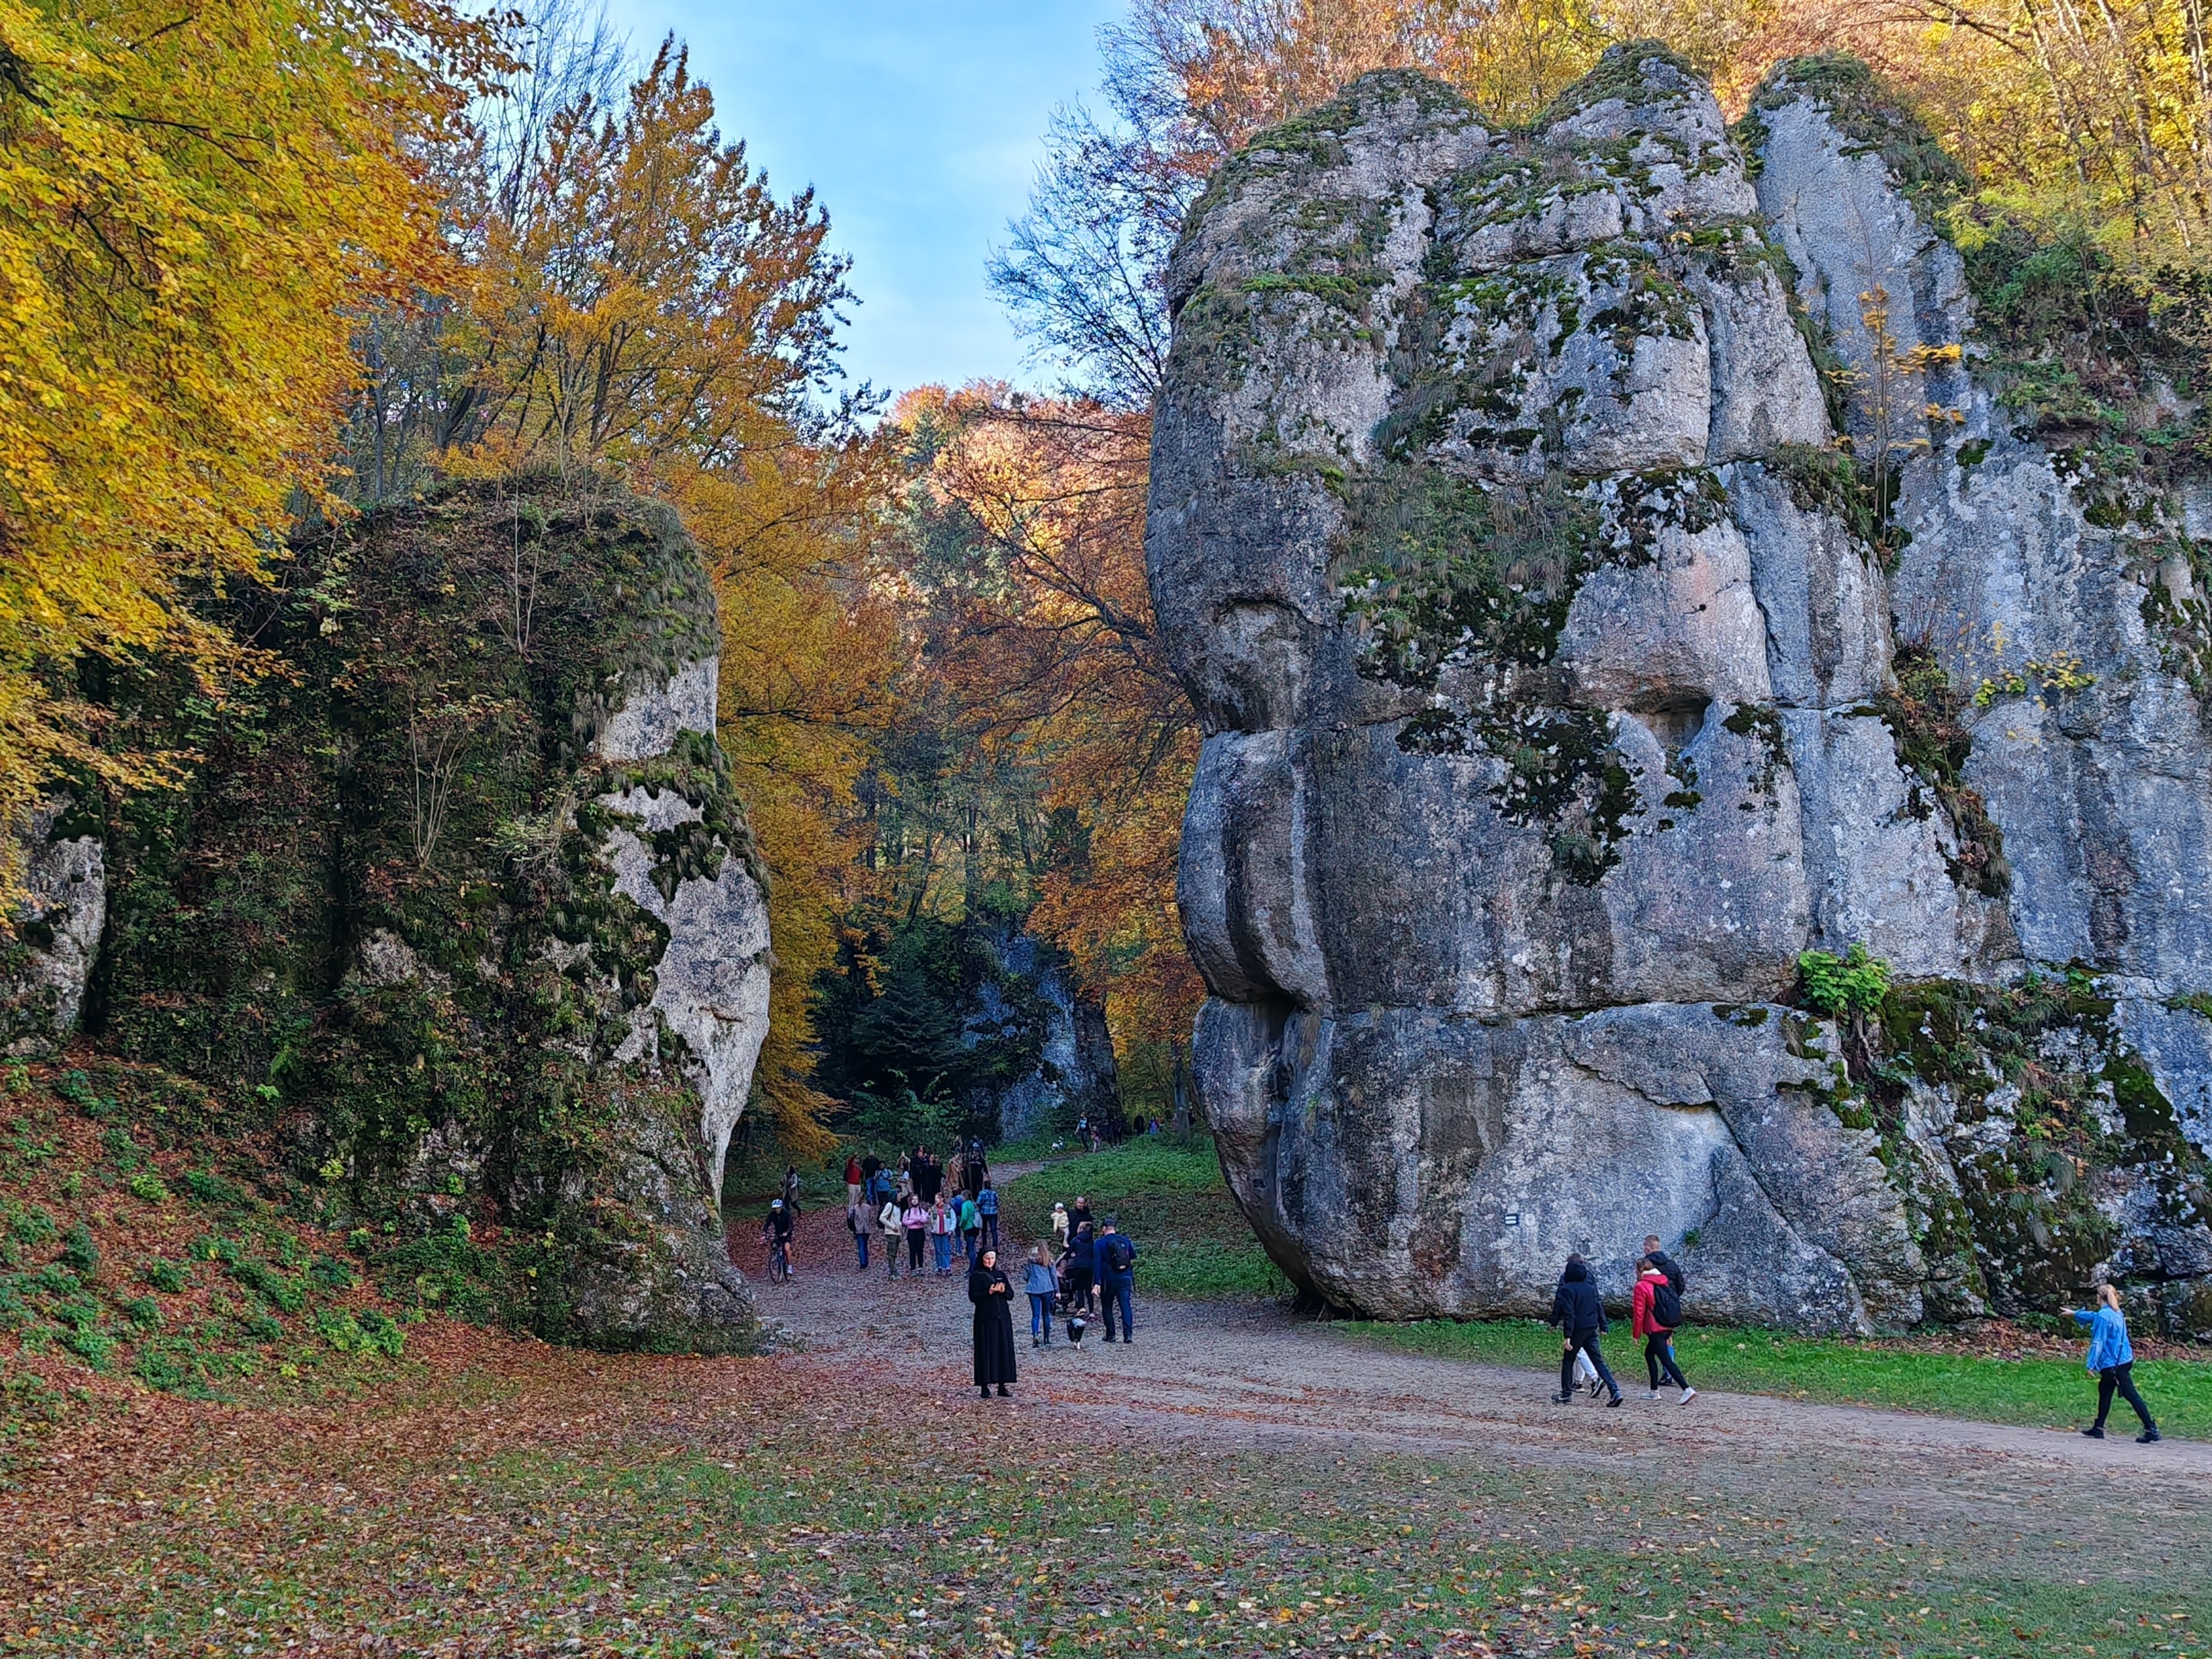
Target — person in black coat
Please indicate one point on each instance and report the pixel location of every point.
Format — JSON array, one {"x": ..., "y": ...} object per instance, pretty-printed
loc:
[
  {"x": 993, "y": 1296},
  {"x": 1579, "y": 1313}
]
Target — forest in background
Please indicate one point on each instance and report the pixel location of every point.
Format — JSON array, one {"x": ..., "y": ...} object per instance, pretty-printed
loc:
[{"x": 270, "y": 262}]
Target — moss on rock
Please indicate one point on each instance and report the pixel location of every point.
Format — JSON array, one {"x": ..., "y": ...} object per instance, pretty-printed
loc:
[{"x": 380, "y": 909}]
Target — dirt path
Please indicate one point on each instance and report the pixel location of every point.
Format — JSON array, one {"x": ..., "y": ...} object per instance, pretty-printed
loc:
[{"x": 1256, "y": 1376}]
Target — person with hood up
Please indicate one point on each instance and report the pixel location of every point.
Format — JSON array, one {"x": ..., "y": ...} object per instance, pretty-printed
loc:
[
  {"x": 993, "y": 1296},
  {"x": 1658, "y": 1337},
  {"x": 2112, "y": 1361},
  {"x": 1579, "y": 1313}
]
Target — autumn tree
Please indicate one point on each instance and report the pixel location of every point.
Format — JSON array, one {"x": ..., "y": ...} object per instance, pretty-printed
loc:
[
  {"x": 1026, "y": 547},
  {"x": 193, "y": 203},
  {"x": 641, "y": 302}
]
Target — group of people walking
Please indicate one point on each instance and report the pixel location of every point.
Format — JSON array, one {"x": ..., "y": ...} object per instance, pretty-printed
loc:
[
  {"x": 1655, "y": 1315},
  {"x": 918, "y": 1209},
  {"x": 1086, "y": 1270}
]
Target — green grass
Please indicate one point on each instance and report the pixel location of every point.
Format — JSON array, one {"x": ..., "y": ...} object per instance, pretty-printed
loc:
[
  {"x": 1192, "y": 1240},
  {"x": 755, "y": 1522},
  {"x": 2039, "y": 1393}
]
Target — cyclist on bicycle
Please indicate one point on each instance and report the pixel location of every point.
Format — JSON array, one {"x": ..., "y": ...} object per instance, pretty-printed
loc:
[{"x": 775, "y": 1231}]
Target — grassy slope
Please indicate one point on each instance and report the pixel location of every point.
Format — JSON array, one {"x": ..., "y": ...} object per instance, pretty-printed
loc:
[
  {"x": 139, "y": 1251},
  {"x": 1905, "y": 1373},
  {"x": 1172, "y": 1200}
]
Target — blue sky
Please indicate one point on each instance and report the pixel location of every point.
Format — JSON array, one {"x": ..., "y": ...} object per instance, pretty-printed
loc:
[{"x": 918, "y": 123}]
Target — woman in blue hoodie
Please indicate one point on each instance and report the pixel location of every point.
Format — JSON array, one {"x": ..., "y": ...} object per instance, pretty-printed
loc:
[{"x": 2112, "y": 1361}]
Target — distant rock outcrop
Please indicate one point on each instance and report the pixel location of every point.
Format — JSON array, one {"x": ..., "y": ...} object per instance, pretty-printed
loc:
[{"x": 1562, "y": 686}]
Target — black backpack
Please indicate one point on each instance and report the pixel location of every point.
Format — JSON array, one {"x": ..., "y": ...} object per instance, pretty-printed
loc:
[
  {"x": 1119, "y": 1256},
  {"x": 1667, "y": 1305}
]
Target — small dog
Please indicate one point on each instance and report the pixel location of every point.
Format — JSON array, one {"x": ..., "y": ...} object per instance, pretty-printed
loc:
[{"x": 1077, "y": 1324}]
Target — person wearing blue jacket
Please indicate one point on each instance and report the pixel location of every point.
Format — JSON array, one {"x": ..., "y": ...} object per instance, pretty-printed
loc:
[
  {"x": 1114, "y": 1258},
  {"x": 2111, "y": 1362},
  {"x": 1579, "y": 1312},
  {"x": 1043, "y": 1285},
  {"x": 987, "y": 1206}
]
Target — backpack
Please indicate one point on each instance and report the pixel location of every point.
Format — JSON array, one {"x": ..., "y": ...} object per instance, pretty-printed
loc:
[
  {"x": 1119, "y": 1256},
  {"x": 1665, "y": 1306}
]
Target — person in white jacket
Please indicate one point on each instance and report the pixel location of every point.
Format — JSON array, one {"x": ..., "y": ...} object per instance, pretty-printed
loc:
[{"x": 890, "y": 1219}]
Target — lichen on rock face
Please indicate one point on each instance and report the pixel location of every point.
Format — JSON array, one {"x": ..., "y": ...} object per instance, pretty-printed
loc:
[
  {"x": 467, "y": 896},
  {"x": 1543, "y": 625}
]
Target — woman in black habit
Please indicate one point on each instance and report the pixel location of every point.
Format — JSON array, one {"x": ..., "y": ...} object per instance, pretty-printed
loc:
[{"x": 993, "y": 1296}]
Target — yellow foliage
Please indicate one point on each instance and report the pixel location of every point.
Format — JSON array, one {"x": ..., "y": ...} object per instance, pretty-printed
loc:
[
  {"x": 649, "y": 305},
  {"x": 191, "y": 200}
]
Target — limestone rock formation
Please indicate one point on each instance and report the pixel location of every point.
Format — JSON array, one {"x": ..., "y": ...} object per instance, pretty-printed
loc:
[
  {"x": 467, "y": 897},
  {"x": 45, "y": 967},
  {"x": 1560, "y": 691},
  {"x": 1073, "y": 1075}
]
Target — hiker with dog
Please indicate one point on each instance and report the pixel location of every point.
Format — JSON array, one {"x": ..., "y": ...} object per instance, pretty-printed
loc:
[{"x": 1042, "y": 1284}]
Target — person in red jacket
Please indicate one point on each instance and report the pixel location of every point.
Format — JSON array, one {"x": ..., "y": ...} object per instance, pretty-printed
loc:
[
  {"x": 1643, "y": 1311},
  {"x": 852, "y": 1179}
]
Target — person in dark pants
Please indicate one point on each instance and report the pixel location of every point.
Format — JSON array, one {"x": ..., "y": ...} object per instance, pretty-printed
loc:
[
  {"x": 2112, "y": 1361},
  {"x": 994, "y": 1325},
  {"x": 1658, "y": 1334},
  {"x": 1579, "y": 1313},
  {"x": 1082, "y": 1264},
  {"x": 1116, "y": 1266},
  {"x": 987, "y": 1206}
]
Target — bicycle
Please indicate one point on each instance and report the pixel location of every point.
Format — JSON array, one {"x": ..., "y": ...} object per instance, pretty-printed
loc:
[{"x": 778, "y": 1260}]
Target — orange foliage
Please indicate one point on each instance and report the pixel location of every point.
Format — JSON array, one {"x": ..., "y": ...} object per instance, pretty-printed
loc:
[{"x": 1042, "y": 632}]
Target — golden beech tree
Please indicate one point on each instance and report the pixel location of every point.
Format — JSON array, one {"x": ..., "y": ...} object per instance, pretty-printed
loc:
[
  {"x": 193, "y": 201},
  {"x": 643, "y": 303},
  {"x": 1028, "y": 553}
]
